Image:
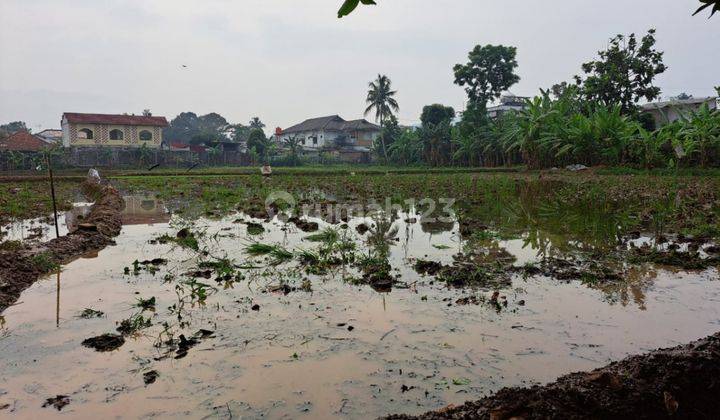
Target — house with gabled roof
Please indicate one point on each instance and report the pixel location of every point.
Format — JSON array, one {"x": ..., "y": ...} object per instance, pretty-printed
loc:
[
  {"x": 111, "y": 130},
  {"x": 333, "y": 132},
  {"x": 22, "y": 141}
]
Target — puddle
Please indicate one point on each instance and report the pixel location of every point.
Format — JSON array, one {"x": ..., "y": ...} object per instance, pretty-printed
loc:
[
  {"x": 139, "y": 210},
  {"x": 342, "y": 349}
]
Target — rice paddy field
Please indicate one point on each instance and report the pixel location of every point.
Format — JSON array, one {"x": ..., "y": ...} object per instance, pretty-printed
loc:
[{"x": 352, "y": 293}]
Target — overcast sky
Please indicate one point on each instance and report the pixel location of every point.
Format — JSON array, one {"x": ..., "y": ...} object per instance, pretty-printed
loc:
[{"x": 288, "y": 60}]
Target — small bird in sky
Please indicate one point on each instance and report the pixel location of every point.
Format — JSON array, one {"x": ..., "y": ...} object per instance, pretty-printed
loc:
[{"x": 184, "y": 66}]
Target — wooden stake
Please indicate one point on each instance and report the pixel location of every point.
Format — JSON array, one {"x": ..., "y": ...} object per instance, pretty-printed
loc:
[{"x": 52, "y": 193}]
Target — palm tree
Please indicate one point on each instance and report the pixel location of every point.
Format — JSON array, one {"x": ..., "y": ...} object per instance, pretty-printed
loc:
[
  {"x": 380, "y": 98},
  {"x": 256, "y": 123}
]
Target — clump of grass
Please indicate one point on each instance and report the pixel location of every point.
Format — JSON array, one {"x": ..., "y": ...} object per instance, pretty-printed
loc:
[
  {"x": 11, "y": 246},
  {"x": 308, "y": 257},
  {"x": 327, "y": 236},
  {"x": 185, "y": 238},
  {"x": 133, "y": 324},
  {"x": 44, "y": 262},
  {"x": 306, "y": 286},
  {"x": 276, "y": 252}
]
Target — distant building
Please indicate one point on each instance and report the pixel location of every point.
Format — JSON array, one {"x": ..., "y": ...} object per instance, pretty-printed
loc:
[
  {"x": 333, "y": 132},
  {"x": 87, "y": 130},
  {"x": 668, "y": 111},
  {"x": 508, "y": 103},
  {"x": 22, "y": 141},
  {"x": 50, "y": 136}
]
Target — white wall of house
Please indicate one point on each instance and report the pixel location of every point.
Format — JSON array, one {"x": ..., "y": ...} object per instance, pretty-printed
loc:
[
  {"x": 313, "y": 139},
  {"x": 673, "y": 112},
  {"x": 66, "y": 133}
]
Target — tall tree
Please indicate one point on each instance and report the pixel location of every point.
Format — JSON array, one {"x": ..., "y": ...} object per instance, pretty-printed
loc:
[
  {"x": 436, "y": 133},
  {"x": 436, "y": 113},
  {"x": 189, "y": 128},
  {"x": 14, "y": 127},
  {"x": 380, "y": 98},
  {"x": 489, "y": 72},
  {"x": 259, "y": 142},
  {"x": 624, "y": 73}
]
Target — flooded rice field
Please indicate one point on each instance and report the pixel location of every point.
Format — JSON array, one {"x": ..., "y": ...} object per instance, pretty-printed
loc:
[{"x": 345, "y": 316}]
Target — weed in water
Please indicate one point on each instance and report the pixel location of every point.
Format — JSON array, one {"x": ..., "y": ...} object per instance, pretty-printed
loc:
[
  {"x": 146, "y": 304},
  {"x": 133, "y": 324},
  {"x": 89, "y": 313}
]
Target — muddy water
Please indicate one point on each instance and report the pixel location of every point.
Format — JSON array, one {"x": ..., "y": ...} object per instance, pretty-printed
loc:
[{"x": 408, "y": 351}]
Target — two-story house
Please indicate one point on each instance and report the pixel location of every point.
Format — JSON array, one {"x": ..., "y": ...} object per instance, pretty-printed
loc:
[
  {"x": 332, "y": 132},
  {"x": 88, "y": 130}
]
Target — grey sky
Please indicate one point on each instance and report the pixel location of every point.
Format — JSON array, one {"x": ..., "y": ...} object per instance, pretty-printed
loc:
[{"x": 287, "y": 60}]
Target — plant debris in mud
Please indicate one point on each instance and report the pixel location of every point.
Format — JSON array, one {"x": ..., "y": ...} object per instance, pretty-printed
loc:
[
  {"x": 254, "y": 228},
  {"x": 304, "y": 225},
  {"x": 105, "y": 342},
  {"x": 428, "y": 267},
  {"x": 185, "y": 238},
  {"x": 89, "y": 313},
  {"x": 150, "y": 377},
  {"x": 59, "y": 402},
  {"x": 673, "y": 258},
  {"x": 588, "y": 271},
  {"x": 182, "y": 345}
]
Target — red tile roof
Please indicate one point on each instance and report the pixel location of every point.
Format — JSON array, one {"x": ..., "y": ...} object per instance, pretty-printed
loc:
[
  {"x": 77, "y": 118},
  {"x": 22, "y": 141}
]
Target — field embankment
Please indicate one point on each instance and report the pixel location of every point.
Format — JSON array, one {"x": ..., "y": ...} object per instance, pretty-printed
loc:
[
  {"x": 678, "y": 383},
  {"x": 21, "y": 267}
]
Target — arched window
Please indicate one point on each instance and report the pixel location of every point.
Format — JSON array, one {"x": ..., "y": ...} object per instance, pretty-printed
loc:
[
  {"x": 145, "y": 135},
  {"x": 85, "y": 133},
  {"x": 116, "y": 134}
]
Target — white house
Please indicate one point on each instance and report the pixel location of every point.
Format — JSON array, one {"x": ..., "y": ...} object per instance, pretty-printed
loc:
[
  {"x": 668, "y": 111},
  {"x": 323, "y": 132},
  {"x": 507, "y": 103}
]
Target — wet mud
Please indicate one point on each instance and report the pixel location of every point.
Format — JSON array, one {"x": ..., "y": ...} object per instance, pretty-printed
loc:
[
  {"x": 676, "y": 383},
  {"x": 21, "y": 268}
]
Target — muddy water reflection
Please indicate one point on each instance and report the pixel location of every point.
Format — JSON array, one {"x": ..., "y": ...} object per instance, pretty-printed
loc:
[
  {"x": 339, "y": 350},
  {"x": 139, "y": 209}
]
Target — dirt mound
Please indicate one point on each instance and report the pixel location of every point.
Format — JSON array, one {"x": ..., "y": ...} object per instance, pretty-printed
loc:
[
  {"x": 19, "y": 269},
  {"x": 678, "y": 383}
]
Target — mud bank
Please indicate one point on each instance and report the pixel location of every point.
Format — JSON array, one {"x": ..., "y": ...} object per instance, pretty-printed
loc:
[
  {"x": 679, "y": 382},
  {"x": 21, "y": 268}
]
